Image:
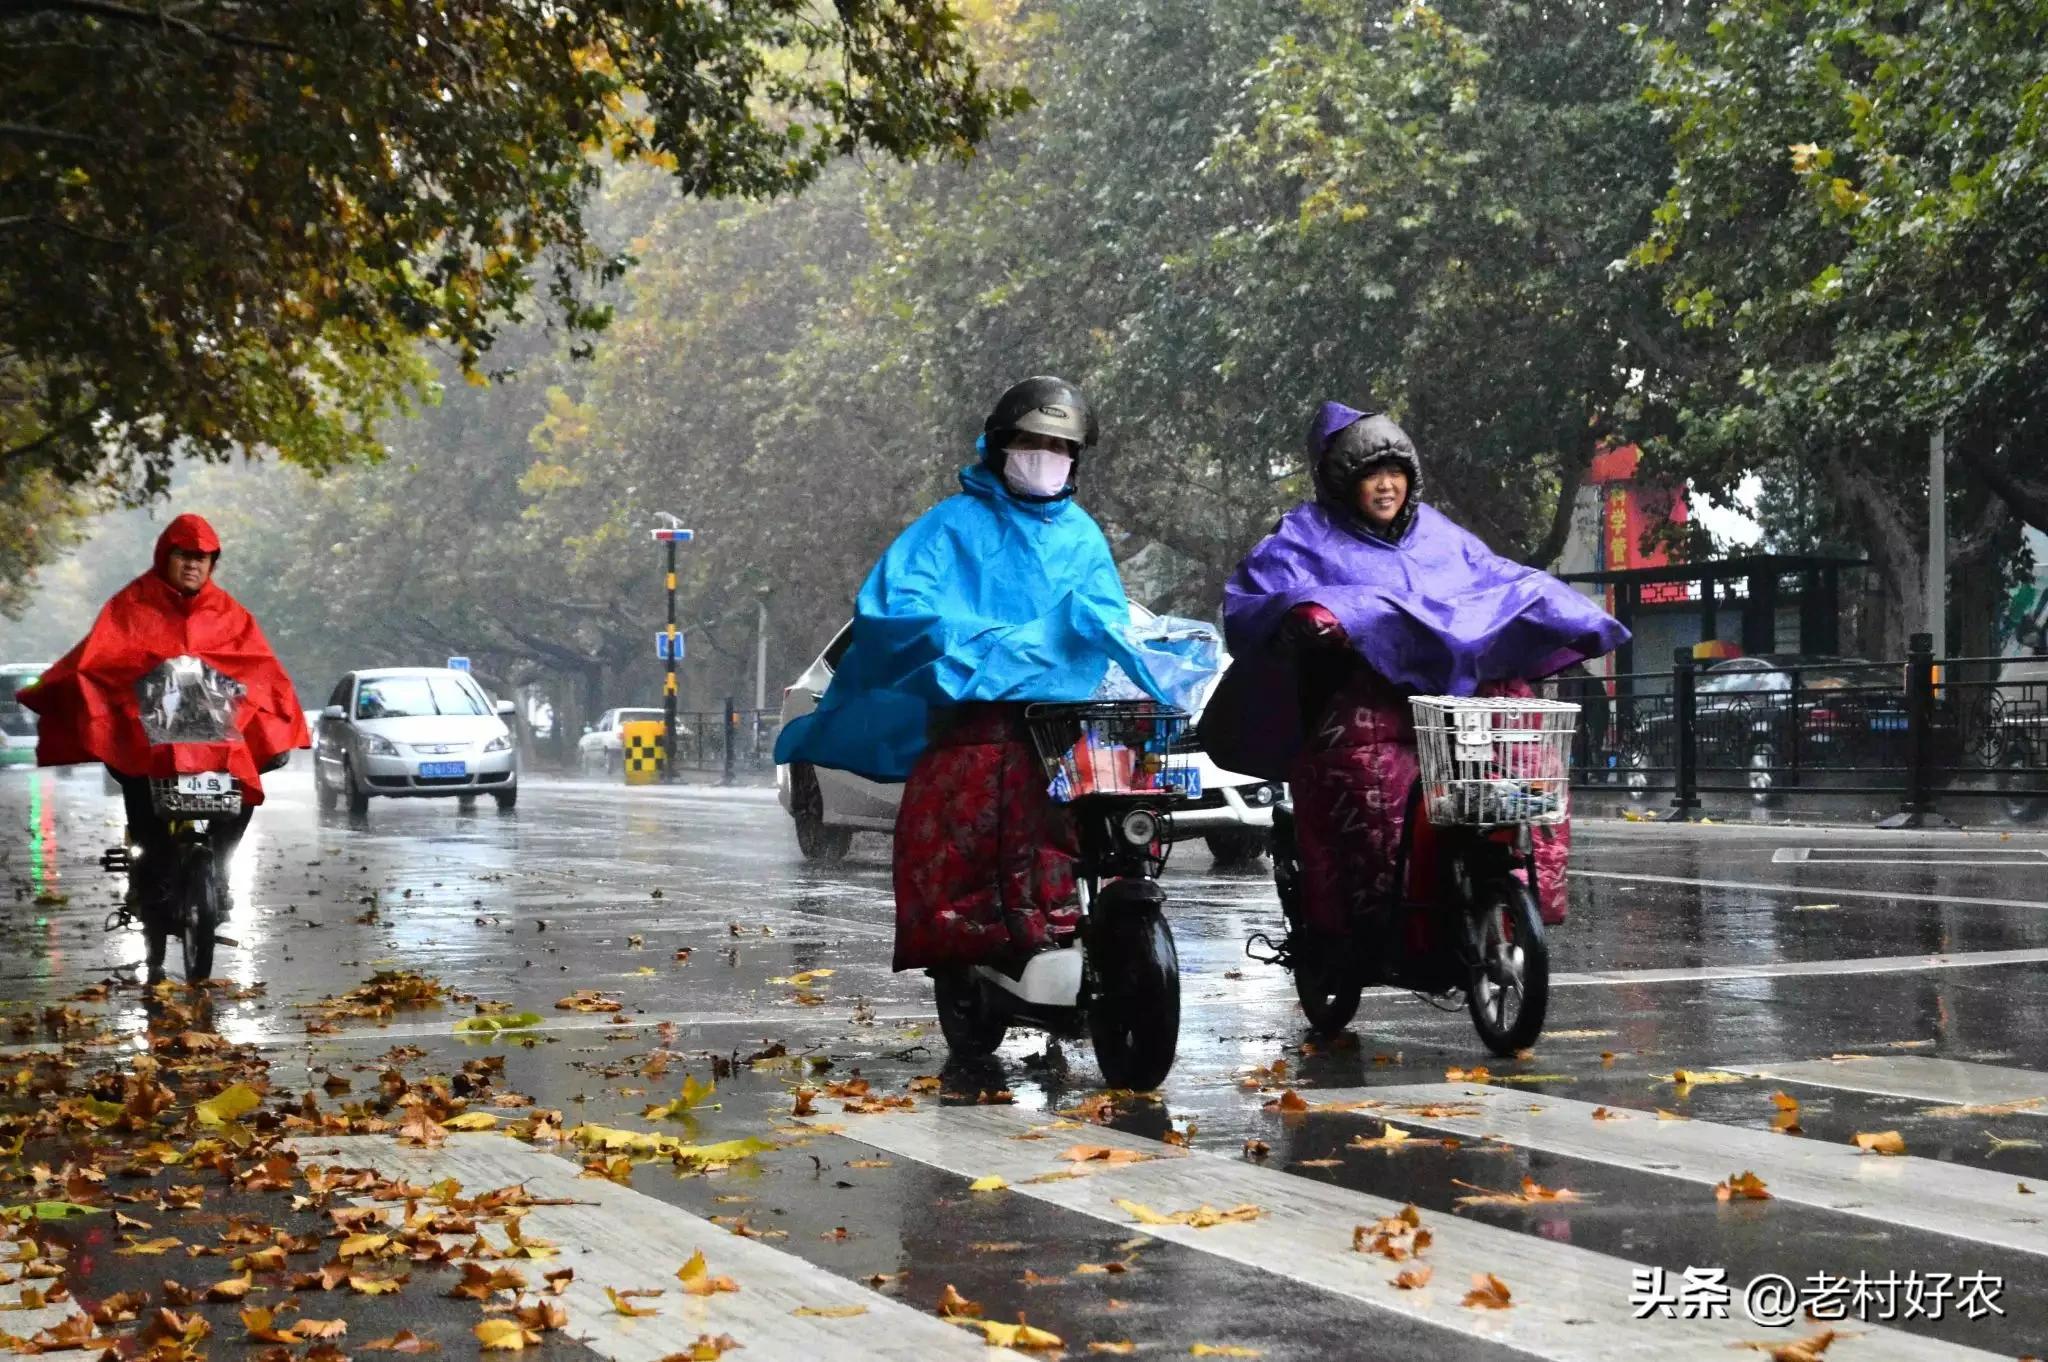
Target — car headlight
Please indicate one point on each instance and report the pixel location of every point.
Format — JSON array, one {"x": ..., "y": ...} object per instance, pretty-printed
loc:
[
  {"x": 501, "y": 743},
  {"x": 379, "y": 747}
]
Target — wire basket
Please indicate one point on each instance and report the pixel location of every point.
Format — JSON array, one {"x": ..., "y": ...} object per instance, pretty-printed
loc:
[
  {"x": 1113, "y": 747},
  {"x": 171, "y": 802},
  {"x": 1489, "y": 763}
]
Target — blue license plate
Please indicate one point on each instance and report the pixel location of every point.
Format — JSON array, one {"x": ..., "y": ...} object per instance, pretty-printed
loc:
[
  {"x": 444, "y": 768},
  {"x": 1189, "y": 783}
]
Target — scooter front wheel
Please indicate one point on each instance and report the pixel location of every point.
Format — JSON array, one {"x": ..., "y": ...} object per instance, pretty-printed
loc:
[
  {"x": 1329, "y": 991},
  {"x": 1135, "y": 1022},
  {"x": 202, "y": 916},
  {"x": 971, "y": 1027},
  {"x": 1509, "y": 989}
]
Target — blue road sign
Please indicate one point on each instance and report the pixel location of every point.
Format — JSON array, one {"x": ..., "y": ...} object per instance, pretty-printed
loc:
[
  {"x": 458, "y": 664},
  {"x": 661, "y": 646},
  {"x": 679, "y": 536}
]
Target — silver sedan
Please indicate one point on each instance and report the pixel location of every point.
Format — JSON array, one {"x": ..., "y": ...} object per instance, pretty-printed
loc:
[{"x": 413, "y": 733}]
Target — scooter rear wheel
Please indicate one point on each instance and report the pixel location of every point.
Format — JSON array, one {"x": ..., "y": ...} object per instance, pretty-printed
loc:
[
  {"x": 1509, "y": 990},
  {"x": 971, "y": 1027},
  {"x": 1135, "y": 1023}
]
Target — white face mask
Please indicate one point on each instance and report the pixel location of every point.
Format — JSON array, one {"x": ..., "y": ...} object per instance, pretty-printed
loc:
[{"x": 1036, "y": 472}]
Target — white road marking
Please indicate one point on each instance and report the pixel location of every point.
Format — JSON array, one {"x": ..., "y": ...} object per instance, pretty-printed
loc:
[
  {"x": 1570, "y": 1304},
  {"x": 621, "y": 1238},
  {"x": 1990, "y": 857},
  {"x": 1950, "y": 1082},
  {"x": 1923, "y": 1194},
  {"x": 1876, "y": 964},
  {"x": 1812, "y": 891}
]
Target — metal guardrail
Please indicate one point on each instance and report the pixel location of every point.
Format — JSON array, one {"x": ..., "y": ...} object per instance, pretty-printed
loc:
[
  {"x": 1910, "y": 730},
  {"x": 738, "y": 743}
]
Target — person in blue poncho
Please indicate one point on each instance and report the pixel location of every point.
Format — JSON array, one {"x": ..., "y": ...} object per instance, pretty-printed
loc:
[{"x": 1001, "y": 595}]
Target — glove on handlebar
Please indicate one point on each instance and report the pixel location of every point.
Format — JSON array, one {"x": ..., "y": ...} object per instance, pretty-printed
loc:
[{"x": 1309, "y": 626}]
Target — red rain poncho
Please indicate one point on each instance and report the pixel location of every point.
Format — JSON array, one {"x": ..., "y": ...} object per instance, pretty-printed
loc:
[{"x": 87, "y": 697}]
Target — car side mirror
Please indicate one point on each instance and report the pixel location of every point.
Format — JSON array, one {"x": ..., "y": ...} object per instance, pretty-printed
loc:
[
  {"x": 506, "y": 707},
  {"x": 334, "y": 712}
]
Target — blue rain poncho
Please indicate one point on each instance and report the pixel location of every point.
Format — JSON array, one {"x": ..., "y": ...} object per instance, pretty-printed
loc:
[{"x": 985, "y": 597}]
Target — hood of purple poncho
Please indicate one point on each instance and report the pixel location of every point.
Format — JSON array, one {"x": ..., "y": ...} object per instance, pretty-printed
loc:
[{"x": 1435, "y": 612}]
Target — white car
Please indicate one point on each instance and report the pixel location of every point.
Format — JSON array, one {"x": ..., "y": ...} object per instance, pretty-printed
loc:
[
  {"x": 413, "y": 733},
  {"x": 1234, "y": 813},
  {"x": 601, "y": 751}
]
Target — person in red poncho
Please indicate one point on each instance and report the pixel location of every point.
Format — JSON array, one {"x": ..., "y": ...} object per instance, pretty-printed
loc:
[{"x": 87, "y": 698}]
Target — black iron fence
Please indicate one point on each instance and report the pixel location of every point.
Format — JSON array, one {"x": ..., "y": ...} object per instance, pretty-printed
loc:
[
  {"x": 1906, "y": 731},
  {"x": 738, "y": 743}
]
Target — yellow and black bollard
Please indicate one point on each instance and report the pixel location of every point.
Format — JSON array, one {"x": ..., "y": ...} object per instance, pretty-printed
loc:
[{"x": 646, "y": 752}]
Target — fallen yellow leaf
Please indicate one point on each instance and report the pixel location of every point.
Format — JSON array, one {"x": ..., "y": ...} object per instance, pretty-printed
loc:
[
  {"x": 830, "y": 1311},
  {"x": 626, "y": 1307},
  {"x": 471, "y": 1120},
  {"x": 1745, "y": 1186},
  {"x": 504, "y": 1335},
  {"x": 991, "y": 1183},
  {"x": 1881, "y": 1142},
  {"x": 1222, "y": 1350},
  {"x": 697, "y": 1279},
  {"x": 1488, "y": 1293}
]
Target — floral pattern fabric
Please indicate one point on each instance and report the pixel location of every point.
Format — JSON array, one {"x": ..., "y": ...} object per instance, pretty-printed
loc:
[
  {"x": 984, "y": 859},
  {"x": 1351, "y": 787}
]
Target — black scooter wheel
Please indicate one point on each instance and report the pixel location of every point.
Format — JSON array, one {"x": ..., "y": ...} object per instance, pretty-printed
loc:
[
  {"x": 971, "y": 1027},
  {"x": 1329, "y": 991},
  {"x": 1509, "y": 989},
  {"x": 1135, "y": 1023},
  {"x": 202, "y": 915}
]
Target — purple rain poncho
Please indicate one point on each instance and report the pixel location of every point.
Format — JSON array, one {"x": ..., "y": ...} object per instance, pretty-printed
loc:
[{"x": 1433, "y": 610}]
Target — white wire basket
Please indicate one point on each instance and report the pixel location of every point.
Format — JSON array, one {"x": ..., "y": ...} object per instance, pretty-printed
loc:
[{"x": 1494, "y": 763}]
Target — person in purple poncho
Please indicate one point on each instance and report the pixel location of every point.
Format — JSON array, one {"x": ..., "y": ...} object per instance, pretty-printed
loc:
[{"x": 1358, "y": 599}]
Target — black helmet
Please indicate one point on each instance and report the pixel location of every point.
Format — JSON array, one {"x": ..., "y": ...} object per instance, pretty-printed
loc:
[{"x": 1043, "y": 406}]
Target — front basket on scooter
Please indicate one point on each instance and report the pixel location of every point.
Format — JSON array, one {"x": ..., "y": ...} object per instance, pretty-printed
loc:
[
  {"x": 1490, "y": 763},
  {"x": 1112, "y": 747}
]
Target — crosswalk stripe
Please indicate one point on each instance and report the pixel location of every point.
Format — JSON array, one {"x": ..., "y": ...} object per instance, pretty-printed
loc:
[
  {"x": 1569, "y": 1303},
  {"x": 1780, "y": 969},
  {"x": 1951, "y": 1082},
  {"x": 1810, "y": 891},
  {"x": 1945, "y": 1198},
  {"x": 617, "y": 1237}
]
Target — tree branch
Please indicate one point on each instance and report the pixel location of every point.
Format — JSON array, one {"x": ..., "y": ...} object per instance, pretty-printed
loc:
[
  {"x": 1570, "y": 477},
  {"x": 2027, "y": 498},
  {"x": 46, "y": 134},
  {"x": 1977, "y": 548},
  {"x": 156, "y": 18}
]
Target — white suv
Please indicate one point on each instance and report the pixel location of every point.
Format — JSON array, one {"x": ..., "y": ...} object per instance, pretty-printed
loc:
[{"x": 1234, "y": 814}]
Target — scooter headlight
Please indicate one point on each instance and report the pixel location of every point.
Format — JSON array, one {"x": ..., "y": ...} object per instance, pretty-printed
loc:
[{"x": 1140, "y": 827}]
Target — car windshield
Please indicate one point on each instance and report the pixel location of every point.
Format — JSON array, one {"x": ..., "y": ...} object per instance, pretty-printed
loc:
[{"x": 411, "y": 697}]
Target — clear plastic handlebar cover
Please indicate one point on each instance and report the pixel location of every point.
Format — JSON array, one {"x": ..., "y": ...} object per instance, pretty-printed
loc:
[{"x": 183, "y": 700}]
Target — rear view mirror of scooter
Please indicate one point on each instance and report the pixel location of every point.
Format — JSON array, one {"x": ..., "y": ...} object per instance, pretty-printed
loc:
[{"x": 1116, "y": 767}]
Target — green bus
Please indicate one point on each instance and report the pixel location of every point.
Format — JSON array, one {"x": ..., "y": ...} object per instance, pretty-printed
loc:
[{"x": 17, "y": 725}]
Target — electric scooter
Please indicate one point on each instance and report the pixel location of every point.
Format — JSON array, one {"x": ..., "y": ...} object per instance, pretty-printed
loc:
[
  {"x": 1463, "y": 924},
  {"x": 182, "y": 701},
  {"x": 1118, "y": 981}
]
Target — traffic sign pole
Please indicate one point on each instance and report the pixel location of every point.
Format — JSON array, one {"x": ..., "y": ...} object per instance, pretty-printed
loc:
[{"x": 671, "y": 536}]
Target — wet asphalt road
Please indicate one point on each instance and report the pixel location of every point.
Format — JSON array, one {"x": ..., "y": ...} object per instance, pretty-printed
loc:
[{"x": 1905, "y": 970}]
